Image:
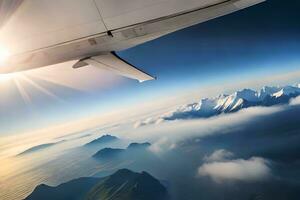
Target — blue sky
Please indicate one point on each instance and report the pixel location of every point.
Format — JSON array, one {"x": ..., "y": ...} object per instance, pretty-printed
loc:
[
  {"x": 254, "y": 40},
  {"x": 259, "y": 41}
]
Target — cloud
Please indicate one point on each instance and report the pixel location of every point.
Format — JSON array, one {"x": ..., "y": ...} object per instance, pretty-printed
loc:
[
  {"x": 162, "y": 145},
  {"x": 148, "y": 121},
  {"x": 295, "y": 101},
  {"x": 180, "y": 129},
  {"x": 245, "y": 112},
  {"x": 219, "y": 155},
  {"x": 254, "y": 169}
]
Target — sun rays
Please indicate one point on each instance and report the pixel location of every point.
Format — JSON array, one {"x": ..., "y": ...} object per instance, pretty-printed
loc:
[
  {"x": 40, "y": 98},
  {"x": 22, "y": 91},
  {"x": 40, "y": 88},
  {"x": 56, "y": 84},
  {"x": 26, "y": 85},
  {"x": 56, "y": 75}
]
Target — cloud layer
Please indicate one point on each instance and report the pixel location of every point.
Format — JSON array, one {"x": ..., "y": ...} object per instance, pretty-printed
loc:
[{"x": 177, "y": 130}]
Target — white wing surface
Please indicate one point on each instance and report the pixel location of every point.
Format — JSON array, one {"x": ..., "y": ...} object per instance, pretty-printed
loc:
[
  {"x": 112, "y": 62},
  {"x": 38, "y": 33}
]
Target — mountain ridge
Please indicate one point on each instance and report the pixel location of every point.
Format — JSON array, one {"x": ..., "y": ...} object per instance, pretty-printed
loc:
[
  {"x": 208, "y": 107},
  {"x": 109, "y": 153}
]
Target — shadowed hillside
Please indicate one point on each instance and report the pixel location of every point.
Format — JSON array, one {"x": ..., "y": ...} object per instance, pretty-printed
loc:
[{"x": 122, "y": 185}]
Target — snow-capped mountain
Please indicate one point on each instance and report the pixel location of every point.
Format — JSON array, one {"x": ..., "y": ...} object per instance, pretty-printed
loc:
[
  {"x": 267, "y": 91},
  {"x": 245, "y": 98},
  {"x": 287, "y": 91}
]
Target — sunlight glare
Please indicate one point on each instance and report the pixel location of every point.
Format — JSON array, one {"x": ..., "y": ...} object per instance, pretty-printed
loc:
[
  {"x": 4, "y": 54},
  {"x": 7, "y": 77}
]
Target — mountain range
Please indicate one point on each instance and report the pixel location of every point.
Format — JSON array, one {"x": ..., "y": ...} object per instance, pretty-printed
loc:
[
  {"x": 122, "y": 185},
  {"x": 112, "y": 153},
  {"x": 208, "y": 107}
]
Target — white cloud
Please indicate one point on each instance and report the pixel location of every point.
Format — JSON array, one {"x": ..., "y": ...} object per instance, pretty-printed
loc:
[
  {"x": 295, "y": 101},
  {"x": 162, "y": 145},
  {"x": 148, "y": 121},
  {"x": 219, "y": 155},
  {"x": 254, "y": 169},
  {"x": 159, "y": 119},
  {"x": 178, "y": 130}
]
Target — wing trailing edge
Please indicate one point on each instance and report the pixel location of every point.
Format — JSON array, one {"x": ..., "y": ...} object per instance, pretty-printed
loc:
[{"x": 112, "y": 62}]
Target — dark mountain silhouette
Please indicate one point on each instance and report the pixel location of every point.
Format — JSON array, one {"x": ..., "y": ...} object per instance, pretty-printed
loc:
[
  {"x": 122, "y": 185},
  {"x": 135, "y": 145},
  {"x": 111, "y": 153},
  {"x": 108, "y": 153},
  {"x": 128, "y": 185}
]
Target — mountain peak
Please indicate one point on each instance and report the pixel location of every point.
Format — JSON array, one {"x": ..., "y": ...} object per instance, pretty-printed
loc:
[
  {"x": 122, "y": 175},
  {"x": 287, "y": 90},
  {"x": 136, "y": 145},
  {"x": 247, "y": 94},
  {"x": 266, "y": 91},
  {"x": 127, "y": 185},
  {"x": 108, "y": 153},
  {"x": 102, "y": 140}
]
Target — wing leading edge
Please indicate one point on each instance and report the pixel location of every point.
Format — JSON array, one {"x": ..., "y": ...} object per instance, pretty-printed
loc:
[{"x": 112, "y": 62}]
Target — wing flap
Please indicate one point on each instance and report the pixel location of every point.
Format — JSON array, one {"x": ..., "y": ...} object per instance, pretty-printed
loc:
[{"x": 114, "y": 63}]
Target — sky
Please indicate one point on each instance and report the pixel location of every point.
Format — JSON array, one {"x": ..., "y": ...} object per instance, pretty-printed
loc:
[
  {"x": 254, "y": 44},
  {"x": 258, "y": 146}
]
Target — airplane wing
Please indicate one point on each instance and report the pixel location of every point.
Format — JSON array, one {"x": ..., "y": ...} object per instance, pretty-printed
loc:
[
  {"x": 112, "y": 62},
  {"x": 38, "y": 33}
]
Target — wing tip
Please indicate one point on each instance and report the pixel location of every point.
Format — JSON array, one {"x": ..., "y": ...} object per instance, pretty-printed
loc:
[{"x": 151, "y": 78}]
